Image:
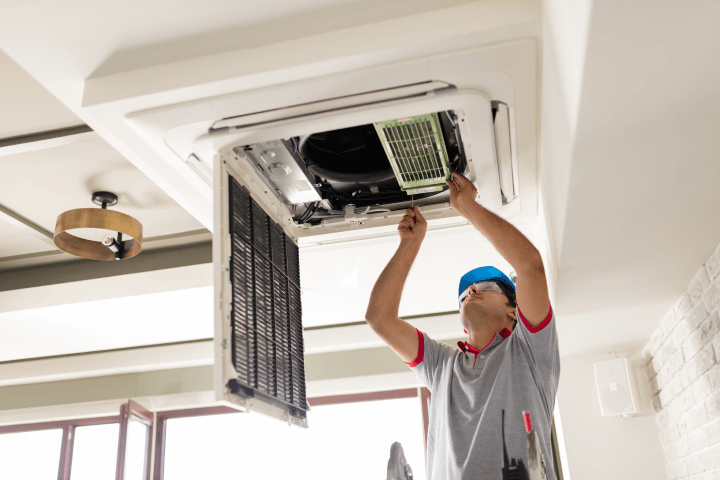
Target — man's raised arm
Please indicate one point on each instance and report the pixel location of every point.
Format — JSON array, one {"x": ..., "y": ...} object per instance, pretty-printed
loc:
[
  {"x": 382, "y": 312},
  {"x": 531, "y": 289}
]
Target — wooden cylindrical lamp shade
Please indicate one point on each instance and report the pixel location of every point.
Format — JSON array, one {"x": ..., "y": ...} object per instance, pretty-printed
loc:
[{"x": 97, "y": 218}]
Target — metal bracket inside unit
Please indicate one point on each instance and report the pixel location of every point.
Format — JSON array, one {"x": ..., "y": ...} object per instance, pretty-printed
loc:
[
  {"x": 282, "y": 169},
  {"x": 352, "y": 217}
]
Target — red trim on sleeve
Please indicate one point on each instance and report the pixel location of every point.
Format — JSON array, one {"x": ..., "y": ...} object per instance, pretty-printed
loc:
[
  {"x": 542, "y": 325},
  {"x": 421, "y": 350}
]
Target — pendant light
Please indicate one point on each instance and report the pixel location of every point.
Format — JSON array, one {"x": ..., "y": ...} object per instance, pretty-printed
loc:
[{"x": 110, "y": 247}]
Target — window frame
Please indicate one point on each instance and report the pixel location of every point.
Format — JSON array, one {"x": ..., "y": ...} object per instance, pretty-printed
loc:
[
  {"x": 68, "y": 437},
  {"x": 160, "y": 437},
  {"x": 158, "y": 430},
  {"x": 133, "y": 410}
]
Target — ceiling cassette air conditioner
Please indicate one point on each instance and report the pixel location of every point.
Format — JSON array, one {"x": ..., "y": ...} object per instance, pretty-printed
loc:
[
  {"x": 329, "y": 160},
  {"x": 359, "y": 166}
]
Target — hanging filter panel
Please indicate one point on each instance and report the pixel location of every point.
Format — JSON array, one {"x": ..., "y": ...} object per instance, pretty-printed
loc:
[
  {"x": 417, "y": 153},
  {"x": 266, "y": 318}
]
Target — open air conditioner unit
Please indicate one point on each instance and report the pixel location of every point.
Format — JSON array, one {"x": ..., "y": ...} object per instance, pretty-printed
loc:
[{"x": 334, "y": 159}]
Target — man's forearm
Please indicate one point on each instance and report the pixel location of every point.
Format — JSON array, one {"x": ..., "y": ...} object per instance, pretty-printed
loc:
[
  {"x": 507, "y": 240},
  {"x": 386, "y": 294}
]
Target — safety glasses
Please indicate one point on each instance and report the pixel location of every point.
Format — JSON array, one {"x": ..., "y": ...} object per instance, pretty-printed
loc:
[{"x": 480, "y": 286}]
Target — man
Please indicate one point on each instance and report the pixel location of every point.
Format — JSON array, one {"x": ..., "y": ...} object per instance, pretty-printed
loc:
[{"x": 509, "y": 365}]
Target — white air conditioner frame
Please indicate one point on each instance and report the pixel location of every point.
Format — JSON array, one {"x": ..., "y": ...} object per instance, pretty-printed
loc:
[{"x": 473, "y": 109}]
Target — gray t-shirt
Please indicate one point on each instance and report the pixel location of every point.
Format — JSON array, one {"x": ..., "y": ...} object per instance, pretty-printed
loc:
[{"x": 516, "y": 372}]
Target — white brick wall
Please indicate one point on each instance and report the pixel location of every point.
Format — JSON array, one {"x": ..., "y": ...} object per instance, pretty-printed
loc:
[{"x": 683, "y": 364}]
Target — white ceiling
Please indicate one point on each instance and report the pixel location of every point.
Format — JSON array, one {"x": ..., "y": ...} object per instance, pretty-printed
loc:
[
  {"x": 202, "y": 28},
  {"x": 27, "y": 106},
  {"x": 43, "y": 179},
  {"x": 98, "y": 39},
  {"x": 629, "y": 144},
  {"x": 42, "y": 184}
]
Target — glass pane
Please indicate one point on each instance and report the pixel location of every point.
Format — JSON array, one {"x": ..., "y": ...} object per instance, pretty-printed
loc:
[
  {"x": 30, "y": 455},
  {"x": 136, "y": 450},
  {"x": 348, "y": 441},
  {"x": 95, "y": 452}
]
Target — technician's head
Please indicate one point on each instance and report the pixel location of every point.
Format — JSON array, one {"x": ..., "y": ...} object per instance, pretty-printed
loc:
[{"x": 487, "y": 300}]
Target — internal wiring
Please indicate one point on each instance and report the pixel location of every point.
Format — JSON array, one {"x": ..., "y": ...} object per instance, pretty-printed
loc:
[
  {"x": 309, "y": 212},
  {"x": 361, "y": 211}
]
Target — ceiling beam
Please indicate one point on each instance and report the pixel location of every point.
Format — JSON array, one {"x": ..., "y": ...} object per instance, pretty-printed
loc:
[
  {"x": 186, "y": 354},
  {"x": 75, "y": 270},
  {"x": 36, "y": 259},
  {"x": 42, "y": 140}
]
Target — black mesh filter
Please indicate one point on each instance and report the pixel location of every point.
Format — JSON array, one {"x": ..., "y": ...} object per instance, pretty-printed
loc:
[
  {"x": 243, "y": 302},
  {"x": 282, "y": 333},
  {"x": 298, "y": 380},
  {"x": 277, "y": 247},
  {"x": 296, "y": 344},
  {"x": 296, "y": 331},
  {"x": 292, "y": 256},
  {"x": 267, "y": 349}
]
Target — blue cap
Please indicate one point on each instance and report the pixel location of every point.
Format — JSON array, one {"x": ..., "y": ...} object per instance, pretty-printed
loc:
[{"x": 488, "y": 274}]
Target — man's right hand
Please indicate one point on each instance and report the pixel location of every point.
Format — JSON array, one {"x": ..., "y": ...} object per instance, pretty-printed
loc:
[{"x": 413, "y": 226}]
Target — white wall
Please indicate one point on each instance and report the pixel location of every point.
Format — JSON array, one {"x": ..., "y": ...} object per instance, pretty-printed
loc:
[
  {"x": 565, "y": 29},
  {"x": 601, "y": 448}
]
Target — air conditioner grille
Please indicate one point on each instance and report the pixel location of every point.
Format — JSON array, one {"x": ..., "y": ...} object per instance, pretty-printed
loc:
[
  {"x": 416, "y": 151},
  {"x": 267, "y": 350}
]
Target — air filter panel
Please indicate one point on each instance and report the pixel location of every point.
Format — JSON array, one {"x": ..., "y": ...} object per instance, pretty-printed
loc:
[
  {"x": 416, "y": 150},
  {"x": 266, "y": 318}
]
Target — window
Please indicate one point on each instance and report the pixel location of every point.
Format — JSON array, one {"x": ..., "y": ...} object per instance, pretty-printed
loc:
[
  {"x": 30, "y": 455},
  {"x": 349, "y": 437},
  {"x": 45, "y": 450},
  {"x": 349, "y": 440},
  {"x": 95, "y": 452},
  {"x": 103, "y": 448}
]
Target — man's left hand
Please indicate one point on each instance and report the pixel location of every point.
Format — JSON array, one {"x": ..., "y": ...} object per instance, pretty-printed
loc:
[{"x": 462, "y": 193}]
